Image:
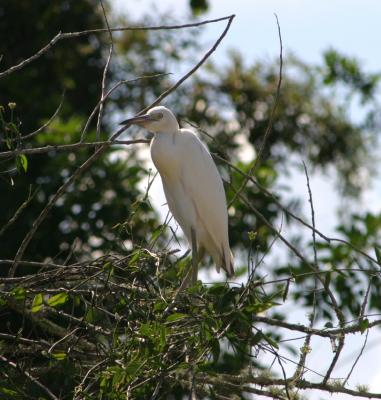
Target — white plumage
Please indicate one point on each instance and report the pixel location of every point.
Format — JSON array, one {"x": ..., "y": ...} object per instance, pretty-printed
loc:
[{"x": 192, "y": 184}]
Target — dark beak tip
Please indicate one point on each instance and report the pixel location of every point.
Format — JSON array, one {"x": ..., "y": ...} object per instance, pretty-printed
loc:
[{"x": 139, "y": 119}]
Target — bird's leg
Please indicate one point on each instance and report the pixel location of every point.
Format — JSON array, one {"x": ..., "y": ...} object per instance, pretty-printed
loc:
[
  {"x": 190, "y": 278},
  {"x": 195, "y": 258}
]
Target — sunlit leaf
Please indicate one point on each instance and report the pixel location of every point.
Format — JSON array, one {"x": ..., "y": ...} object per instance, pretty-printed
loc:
[
  {"x": 59, "y": 356},
  {"x": 37, "y": 303},
  {"x": 58, "y": 299},
  {"x": 21, "y": 163}
]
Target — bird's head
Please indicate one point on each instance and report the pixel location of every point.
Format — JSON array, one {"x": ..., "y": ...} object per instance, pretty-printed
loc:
[{"x": 157, "y": 120}]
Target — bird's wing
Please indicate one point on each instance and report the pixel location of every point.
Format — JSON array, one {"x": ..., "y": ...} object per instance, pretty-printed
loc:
[{"x": 203, "y": 185}]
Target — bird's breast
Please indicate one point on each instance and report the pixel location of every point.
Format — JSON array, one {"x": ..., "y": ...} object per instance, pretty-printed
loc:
[{"x": 165, "y": 155}]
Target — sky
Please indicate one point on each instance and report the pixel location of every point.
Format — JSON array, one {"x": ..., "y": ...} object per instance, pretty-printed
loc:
[{"x": 308, "y": 28}]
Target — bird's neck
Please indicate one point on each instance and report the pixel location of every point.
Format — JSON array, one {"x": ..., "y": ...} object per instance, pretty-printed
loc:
[{"x": 169, "y": 131}]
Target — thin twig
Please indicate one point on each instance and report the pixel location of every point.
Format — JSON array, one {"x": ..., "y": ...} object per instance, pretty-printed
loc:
[
  {"x": 69, "y": 147},
  {"x": 241, "y": 383},
  {"x": 357, "y": 358},
  {"x": 108, "y": 94},
  {"x": 305, "y": 349},
  {"x": 103, "y": 90},
  {"x": 18, "y": 212},
  {"x": 331, "y": 296},
  {"x": 72, "y": 35},
  {"x": 194, "y": 69},
  {"x": 268, "y": 131}
]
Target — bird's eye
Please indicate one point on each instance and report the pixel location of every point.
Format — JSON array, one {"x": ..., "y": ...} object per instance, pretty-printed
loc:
[{"x": 158, "y": 116}]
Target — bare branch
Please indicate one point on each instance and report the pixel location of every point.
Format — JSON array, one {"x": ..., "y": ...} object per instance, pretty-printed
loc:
[
  {"x": 305, "y": 349},
  {"x": 103, "y": 90},
  {"x": 72, "y": 35},
  {"x": 194, "y": 69},
  {"x": 18, "y": 212},
  {"x": 69, "y": 147},
  {"x": 357, "y": 358}
]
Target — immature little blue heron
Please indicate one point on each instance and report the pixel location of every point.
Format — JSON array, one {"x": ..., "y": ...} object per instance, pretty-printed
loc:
[{"x": 192, "y": 186}]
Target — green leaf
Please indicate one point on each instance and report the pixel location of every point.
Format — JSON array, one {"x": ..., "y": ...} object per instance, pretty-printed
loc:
[
  {"x": 77, "y": 300},
  {"x": 160, "y": 306},
  {"x": 37, "y": 302},
  {"x": 270, "y": 341},
  {"x": 163, "y": 337},
  {"x": 8, "y": 143},
  {"x": 21, "y": 163},
  {"x": 255, "y": 339},
  {"x": 58, "y": 299},
  {"x": 146, "y": 329},
  {"x": 59, "y": 356},
  {"x": 215, "y": 345},
  {"x": 133, "y": 367},
  {"x": 90, "y": 315},
  {"x": 176, "y": 317},
  {"x": 364, "y": 325},
  {"x": 285, "y": 290},
  {"x": 378, "y": 254},
  {"x": 108, "y": 267},
  {"x": 327, "y": 280},
  {"x": 199, "y": 6},
  {"x": 219, "y": 289},
  {"x": 8, "y": 392},
  {"x": 134, "y": 258},
  {"x": 328, "y": 325},
  {"x": 19, "y": 293},
  {"x": 260, "y": 307}
]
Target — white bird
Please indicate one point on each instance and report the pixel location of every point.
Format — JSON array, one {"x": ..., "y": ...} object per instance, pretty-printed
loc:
[{"x": 192, "y": 185}]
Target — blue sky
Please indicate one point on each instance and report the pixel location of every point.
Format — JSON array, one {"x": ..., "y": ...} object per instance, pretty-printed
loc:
[{"x": 308, "y": 27}]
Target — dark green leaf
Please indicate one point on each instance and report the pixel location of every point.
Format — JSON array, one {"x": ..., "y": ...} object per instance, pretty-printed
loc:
[
  {"x": 146, "y": 330},
  {"x": 364, "y": 325},
  {"x": 215, "y": 344},
  {"x": 270, "y": 340},
  {"x": 378, "y": 254},
  {"x": 199, "y": 6},
  {"x": 19, "y": 293},
  {"x": 286, "y": 288}
]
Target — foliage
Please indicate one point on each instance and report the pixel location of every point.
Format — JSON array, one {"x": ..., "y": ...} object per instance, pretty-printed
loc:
[{"x": 100, "y": 199}]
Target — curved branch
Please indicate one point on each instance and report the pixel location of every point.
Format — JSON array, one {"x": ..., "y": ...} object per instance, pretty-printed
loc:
[{"x": 72, "y": 35}]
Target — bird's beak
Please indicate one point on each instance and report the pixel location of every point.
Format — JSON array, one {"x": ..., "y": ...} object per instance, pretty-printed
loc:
[{"x": 138, "y": 120}]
